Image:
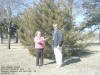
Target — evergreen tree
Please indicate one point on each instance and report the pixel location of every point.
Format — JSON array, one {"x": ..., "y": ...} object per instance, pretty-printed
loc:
[{"x": 42, "y": 16}]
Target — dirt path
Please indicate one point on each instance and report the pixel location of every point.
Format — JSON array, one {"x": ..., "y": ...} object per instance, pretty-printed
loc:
[{"x": 18, "y": 61}]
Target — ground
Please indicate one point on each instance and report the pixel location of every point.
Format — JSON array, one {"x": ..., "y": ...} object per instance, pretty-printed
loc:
[{"x": 18, "y": 61}]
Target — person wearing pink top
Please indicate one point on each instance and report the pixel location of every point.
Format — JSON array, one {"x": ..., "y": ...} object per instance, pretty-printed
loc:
[{"x": 39, "y": 46}]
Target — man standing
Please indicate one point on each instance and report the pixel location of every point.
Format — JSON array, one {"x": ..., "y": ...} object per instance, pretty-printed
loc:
[{"x": 57, "y": 41}]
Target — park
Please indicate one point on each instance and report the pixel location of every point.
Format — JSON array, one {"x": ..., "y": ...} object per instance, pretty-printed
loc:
[{"x": 79, "y": 21}]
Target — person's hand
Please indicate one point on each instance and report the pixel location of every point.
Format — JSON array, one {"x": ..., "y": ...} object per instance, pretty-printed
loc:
[
  {"x": 58, "y": 46},
  {"x": 46, "y": 39}
]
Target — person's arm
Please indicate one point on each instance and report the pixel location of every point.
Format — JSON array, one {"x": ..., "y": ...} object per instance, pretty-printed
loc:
[
  {"x": 37, "y": 40},
  {"x": 50, "y": 33},
  {"x": 43, "y": 40},
  {"x": 60, "y": 36}
]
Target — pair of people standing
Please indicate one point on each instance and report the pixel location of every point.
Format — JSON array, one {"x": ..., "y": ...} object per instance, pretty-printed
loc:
[{"x": 57, "y": 41}]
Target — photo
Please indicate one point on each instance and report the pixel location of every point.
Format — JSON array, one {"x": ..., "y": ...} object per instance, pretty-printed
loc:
[{"x": 49, "y": 37}]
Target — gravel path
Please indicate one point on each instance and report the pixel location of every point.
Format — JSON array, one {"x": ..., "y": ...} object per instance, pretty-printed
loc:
[{"x": 18, "y": 61}]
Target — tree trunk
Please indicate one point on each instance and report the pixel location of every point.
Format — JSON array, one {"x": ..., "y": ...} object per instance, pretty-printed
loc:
[
  {"x": 16, "y": 37},
  {"x": 8, "y": 38},
  {"x": 1, "y": 38},
  {"x": 99, "y": 35}
]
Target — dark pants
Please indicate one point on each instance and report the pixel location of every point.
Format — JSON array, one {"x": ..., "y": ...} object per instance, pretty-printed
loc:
[{"x": 39, "y": 55}]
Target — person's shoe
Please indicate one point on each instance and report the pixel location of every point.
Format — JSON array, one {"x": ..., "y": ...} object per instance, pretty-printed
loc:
[
  {"x": 42, "y": 65},
  {"x": 37, "y": 66},
  {"x": 58, "y": 66}
]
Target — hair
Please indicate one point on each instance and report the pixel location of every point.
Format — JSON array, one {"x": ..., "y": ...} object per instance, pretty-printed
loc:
[
  {"x": 56, "y": 25},
  {"x": 37, "y": 33}
]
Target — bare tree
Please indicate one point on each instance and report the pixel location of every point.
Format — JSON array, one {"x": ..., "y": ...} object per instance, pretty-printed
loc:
[
  {"x": 92, "y": 8},
  {"x": 11, "y": 8}
]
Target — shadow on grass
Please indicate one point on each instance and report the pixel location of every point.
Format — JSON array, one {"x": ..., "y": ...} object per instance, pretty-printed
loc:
[
  {"x": 87, "y": 53},
  {"x": 71, "y": 61},
  {"x": 94, "y": 44},
  {"x": 77, "y": 57},
  {"x": 53, "y": 62}
]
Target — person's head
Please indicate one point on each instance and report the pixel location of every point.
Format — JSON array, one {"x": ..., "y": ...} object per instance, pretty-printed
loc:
[
  {"x": 55, "y": 26},
  {"x": 38, "y": 33}
]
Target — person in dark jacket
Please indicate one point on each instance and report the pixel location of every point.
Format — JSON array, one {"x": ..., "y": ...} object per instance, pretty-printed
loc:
[{"x": 57, "y": 41}]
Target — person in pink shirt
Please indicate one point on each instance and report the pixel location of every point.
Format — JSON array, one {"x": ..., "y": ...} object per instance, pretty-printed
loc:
[{"x": 39, "y": 41}]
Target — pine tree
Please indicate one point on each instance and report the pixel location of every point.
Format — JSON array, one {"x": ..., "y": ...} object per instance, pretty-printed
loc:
[{"x": 42, "y": 16}]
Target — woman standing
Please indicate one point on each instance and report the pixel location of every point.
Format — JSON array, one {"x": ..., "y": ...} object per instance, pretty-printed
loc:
[{"x": 39, "y": 46}]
